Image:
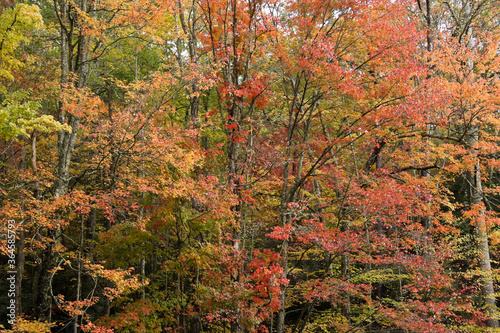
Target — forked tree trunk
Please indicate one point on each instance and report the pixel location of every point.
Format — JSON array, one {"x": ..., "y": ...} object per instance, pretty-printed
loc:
[{"x": 65, "y": 146}]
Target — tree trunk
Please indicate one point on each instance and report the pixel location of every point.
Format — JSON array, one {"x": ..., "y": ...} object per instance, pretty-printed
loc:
[
  {"x": 65, "y": 147},
  {"x": 189, "y": 29},
  {"x": 20, "y": 271},
  {"x": 42, "y": 286},
  {"x": 476, "y": 198},
  {"x": 79, "y": 275}
]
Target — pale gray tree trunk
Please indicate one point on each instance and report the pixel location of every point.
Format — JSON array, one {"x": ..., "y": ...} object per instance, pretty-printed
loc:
[
  {"x": 65, "y": 145},
  {"x": 476, "y": 198}
]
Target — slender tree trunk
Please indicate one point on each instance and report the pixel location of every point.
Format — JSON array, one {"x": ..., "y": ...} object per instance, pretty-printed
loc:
[
  {"x": 20, "y": 271},
  {"x": 289, "y": 194},
  {"x": 346, "y": 274},
  {"x": 426, "y": 221},
  {"x": 143, "y": 276},
  {"x": 281, "y": 314},
  {"x": 79, "y": 275},
  {"x": 476, "y": 198},
  {"x": 189, "y": 29},
  {"x": 284, "y": 221}
]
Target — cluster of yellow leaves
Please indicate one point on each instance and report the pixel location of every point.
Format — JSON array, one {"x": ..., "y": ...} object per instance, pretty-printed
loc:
[
  {"x": 19, "y": 118},
  {"x": 29, "y": 326},
  {"x": 18, "y": 114},
  {"x": 14, "y": 23},
  {"x": 123, "y": 280}
]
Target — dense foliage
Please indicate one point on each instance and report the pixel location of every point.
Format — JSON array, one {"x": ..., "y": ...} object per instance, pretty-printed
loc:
[{"x": 251, "y": 165}]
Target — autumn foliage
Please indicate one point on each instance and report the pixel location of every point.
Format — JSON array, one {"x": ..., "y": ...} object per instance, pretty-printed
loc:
[{"x": 251, "y": 166}]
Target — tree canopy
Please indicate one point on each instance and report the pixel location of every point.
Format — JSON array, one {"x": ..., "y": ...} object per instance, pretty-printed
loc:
[{"x": 250, "y": 166}]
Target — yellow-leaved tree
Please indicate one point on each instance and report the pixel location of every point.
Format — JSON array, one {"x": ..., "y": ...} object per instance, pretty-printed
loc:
[{"x": 19, "y": 114}]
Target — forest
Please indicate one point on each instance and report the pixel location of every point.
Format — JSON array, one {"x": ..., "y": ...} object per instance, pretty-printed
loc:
[{"x": 285, "y": 166}]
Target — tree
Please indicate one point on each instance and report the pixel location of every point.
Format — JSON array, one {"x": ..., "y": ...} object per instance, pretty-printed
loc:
[
  {"x": 245, "y": 166},
  {"x": 470, "y": 118}
]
